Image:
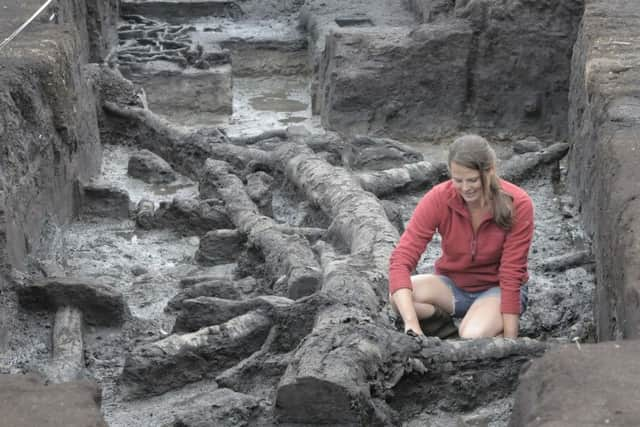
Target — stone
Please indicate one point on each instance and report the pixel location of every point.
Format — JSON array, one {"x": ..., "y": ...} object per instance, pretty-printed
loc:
[
  {"x": 101, "y": 304},
  {"x": 106, "y": 201},
  {"x": 220, "y": 247},
  {"x": 138, "y": 270},
  {"x": 192, "y": 216},
  {"x": 150, "y": 168},
  {"x": 580, "y": 384},
  {"x": 26, "y": 401},
  {"x": 145, "y": 214}
]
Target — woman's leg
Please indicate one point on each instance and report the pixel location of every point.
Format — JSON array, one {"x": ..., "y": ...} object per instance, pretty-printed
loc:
[
  {"x": 483, "y": 320},
  {"x": 429, "y": 291}
]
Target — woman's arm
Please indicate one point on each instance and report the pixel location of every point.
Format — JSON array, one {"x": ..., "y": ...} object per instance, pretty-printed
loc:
[
  {"x": 407, "y": 253},
  {"x": 403, "y": 298},
  {"x": 515, "y": 254},
  {"x": 510, "y": 324}
]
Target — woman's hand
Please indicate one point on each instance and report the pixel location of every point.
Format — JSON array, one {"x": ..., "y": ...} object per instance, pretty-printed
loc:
[
  {"x": 510, "y": 325},
  {"x": 403, "y": 300}
]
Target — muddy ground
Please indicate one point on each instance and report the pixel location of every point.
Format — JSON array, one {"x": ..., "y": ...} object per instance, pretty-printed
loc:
[{"x": 147, "y": 266}]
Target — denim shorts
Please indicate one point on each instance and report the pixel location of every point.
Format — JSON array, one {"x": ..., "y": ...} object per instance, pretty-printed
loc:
[{"x": 462, "y": 300}]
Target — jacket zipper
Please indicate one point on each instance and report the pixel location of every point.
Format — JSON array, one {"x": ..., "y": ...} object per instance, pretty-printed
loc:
[
  {"x": 473, "y": 248},
  {"x": 474, "y": 240}
]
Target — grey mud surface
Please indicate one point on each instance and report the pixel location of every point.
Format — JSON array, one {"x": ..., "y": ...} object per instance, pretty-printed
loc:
[{"x": 147, "y": 265}]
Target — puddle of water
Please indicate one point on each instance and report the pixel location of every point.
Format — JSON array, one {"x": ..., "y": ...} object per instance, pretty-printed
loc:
[
  {"x": 265, "y": 103},
  {"x": 293, "y": 119},
  {"x": 211, "y": 30},
  {"x": 277, "y": 102}
]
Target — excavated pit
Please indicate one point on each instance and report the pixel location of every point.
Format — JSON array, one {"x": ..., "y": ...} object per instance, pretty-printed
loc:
[{"x": 254, "y": 285}]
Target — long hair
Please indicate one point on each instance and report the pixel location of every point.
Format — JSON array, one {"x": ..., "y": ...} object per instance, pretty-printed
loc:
[{"x": 474, "y": 152}]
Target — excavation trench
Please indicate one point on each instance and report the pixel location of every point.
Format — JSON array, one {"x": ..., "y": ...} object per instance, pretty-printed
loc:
[{"x": 252, "y": 283}]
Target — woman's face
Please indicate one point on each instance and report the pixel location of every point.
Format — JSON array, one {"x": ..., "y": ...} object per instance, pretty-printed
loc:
[{"x": 468, "y": 183}]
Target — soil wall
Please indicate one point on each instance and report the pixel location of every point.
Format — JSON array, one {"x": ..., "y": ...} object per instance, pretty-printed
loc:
[
  {"x": 48, "y": 124},
  {"x": 604, "y": 127},
  {"x": 491, "y": 66}
]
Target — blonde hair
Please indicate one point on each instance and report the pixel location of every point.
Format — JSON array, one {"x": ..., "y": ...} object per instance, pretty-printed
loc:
[{"x": 474, "y": 152}]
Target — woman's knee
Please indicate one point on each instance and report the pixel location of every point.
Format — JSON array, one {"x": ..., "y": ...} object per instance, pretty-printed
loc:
[
  {"x": 430, "y": 289},
  {"x": 483, "y": 320},
  {"x": 471, "y": 331}
]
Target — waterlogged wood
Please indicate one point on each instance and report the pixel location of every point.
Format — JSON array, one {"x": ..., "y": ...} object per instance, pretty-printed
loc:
[
  {"x": 205, "y": 311},
  {"x": 408, "y": 177},
  {"x": 67, "y": 362},
  {"x": 256, "y": 367},
  {"x": 186, "y": 150},
  {"x": 329, "y": 378},
  {"x": 459, "y": 374},
  {"x": 358, "y": 217},
  {"x": 349, "y": 278},
  {"x": 220, "y": 288},
  {"x": 177, "y": 360},
  {"x": 312, "y": 234},
  {"x": 333, "y": 373},
  {"x": 567, "y": 261},
  {"x": 287, "y": 255},
  {"x": 519, "y": 168},
  {"x": 249, "y": 140}
]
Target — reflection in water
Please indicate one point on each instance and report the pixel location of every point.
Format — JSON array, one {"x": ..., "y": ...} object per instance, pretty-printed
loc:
[
  {"x": 169, "y": 189},
  {"x": 277, "y": 102},
  {"x": 293, "y": 119}
]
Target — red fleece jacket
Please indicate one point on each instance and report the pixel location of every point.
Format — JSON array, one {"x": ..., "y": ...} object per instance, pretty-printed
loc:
[{"x": 474, "y": 262}]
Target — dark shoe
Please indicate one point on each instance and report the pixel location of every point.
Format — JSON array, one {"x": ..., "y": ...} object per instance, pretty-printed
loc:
[{"x": 439, "y": 325}]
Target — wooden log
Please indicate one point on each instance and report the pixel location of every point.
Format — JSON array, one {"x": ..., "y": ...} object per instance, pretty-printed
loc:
[
  {"x": 567, "y": 261},
  {"x": 204, "y": 311},
  {"x": 67, "y": 362},
  {"x": 328, "y": 382},
  {"x": 365, "y": 152},
  {"x": 220, "y": 288},
  {"x": 330, "y": 377},
  {"x": 177, "y": 360},
  {"x": 287, "y": 255},
  {"x": 186, "y": 151},
  {"x": 259, "y": 368},
  {"x": 408, "y": 177},
  {"x": 519, "y": 168},
  {"x": 250, "y": 140},
  {"x": 359, "y": 220},
  {"x": 224, "y": 408},
  {"x": 438, "y": 375},
  {"x": 312, "y": 234}
]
